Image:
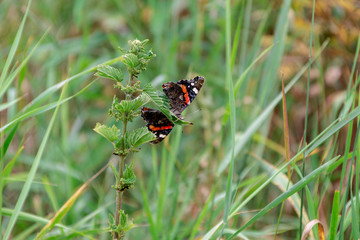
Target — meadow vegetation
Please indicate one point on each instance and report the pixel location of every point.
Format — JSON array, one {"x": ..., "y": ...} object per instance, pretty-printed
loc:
[{"x": 273, "y": 151}]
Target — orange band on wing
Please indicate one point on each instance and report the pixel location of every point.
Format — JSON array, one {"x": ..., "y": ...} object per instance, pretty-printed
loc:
[
  {"x": 153, "y": 128},
  {"x": 186, "y": 94}
]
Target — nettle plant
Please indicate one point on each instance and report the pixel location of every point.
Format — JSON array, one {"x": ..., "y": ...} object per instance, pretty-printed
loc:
[{"x": 125, "y": 110}]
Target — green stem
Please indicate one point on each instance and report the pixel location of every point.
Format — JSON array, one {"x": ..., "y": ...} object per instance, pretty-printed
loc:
[
  {"x": 119, "y": 192},
  {"x": 306, "y": 117}
]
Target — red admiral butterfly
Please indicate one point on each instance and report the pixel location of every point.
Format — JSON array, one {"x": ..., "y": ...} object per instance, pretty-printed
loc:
[{"x": 180, "y": 95}]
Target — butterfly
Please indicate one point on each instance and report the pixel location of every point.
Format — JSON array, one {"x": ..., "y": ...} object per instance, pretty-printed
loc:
[{"x": 180, "y": 95}]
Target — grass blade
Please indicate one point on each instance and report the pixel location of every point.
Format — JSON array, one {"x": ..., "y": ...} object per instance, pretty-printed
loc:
[
  {"x": 230, "y": 85},
  {"x": 334, "y": 216},
  {"x": 342, "y": 230},
  {"x": 286, "y": 129},
  {"x": 8, "y": 140},
  {"x": 34, "y": 218},
  {"x": 51, "y": 193},
  {"x": 256, "y": 124},
  {"x": 333, "y": 128},
  {"x": 8, "y": 104},
  {"x": 42, "y": 109},
  {"x": 340, "y": 124},
  {"x": 283, "y": 182},
  {"x": 5, "y": 173},
  {"x": 202, "y": 214},
  {"x": 354, "y": 66},
  {"x": 45, "y": 94},
  {"x": 14, "y": 47},
  {"x": 237, "y": 36},
  {"x": 12, "y": 76},
  {"x": 273, "y": 61},
  {"x": 307, "y": 108},
  {"x": 241, "y": 79},
  {"x": 153, "y": 229},
  {"x": 69, "y": 203},
  {"x": 245, "y": 33},
  {"x": 26, "y": 188},
  {"x": 298, "y": 186},
  {"x": 310, "y": 226},
  {"x": 357, "y": 174},
  {"x": 8, "y": 168}
]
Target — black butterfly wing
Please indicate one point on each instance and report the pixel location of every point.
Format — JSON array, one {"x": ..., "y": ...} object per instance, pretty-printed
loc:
[
  {"x": 157, "y": 123},
  {"x": 182, "y": 93}
]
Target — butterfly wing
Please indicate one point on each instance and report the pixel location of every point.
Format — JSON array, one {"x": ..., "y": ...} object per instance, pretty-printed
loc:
[
  {"x": 157, "y": 123},
  {"x": 182, "y": 93}
]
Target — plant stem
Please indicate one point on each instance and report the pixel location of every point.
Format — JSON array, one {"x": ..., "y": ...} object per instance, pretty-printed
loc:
[
  {"x": 119, "y": 192},
  {"x": 130, "y": 81}
]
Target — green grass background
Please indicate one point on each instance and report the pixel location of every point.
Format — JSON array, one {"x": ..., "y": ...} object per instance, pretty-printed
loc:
[{"x": 226, "y": 174}]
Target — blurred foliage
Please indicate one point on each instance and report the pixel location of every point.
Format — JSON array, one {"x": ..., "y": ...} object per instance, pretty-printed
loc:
[{"x": 188, "y": 39}]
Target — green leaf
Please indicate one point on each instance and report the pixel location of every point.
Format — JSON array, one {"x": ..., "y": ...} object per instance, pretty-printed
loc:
[
  {"x": 129, "y": 177},
  {"x": 127, "y": 109},
  {"x": 110, "y": 72},
  {"x": 134, "y": 104},
  {"x": 111, "y": 219},
  {"x": 137, "y": 46},
  {"x": 116, "y": 174},
  {"x": 130, "y": 60},
  {"x": 139, "y": 136},
  {"x": 161, "y": 103},
  {"x": 111, "y": 134},
  {"x": 125, "y": 224}
]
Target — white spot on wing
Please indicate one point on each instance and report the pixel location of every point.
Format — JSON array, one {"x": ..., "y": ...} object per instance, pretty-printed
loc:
[
  {"x": 192, "y": 84},
  {"x": 162, "y": 136},
  {"x": 195, "y": 90}
]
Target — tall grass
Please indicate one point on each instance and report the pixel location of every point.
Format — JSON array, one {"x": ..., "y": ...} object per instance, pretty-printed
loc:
[{"x": 226, "y": 175}]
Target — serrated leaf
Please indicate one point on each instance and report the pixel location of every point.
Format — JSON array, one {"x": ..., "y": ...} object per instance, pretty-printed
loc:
[
  {"x": 110, "y": 72},
  {"x": 111, "y": 219},
  {"x": 130, "y": 60},
  {"x": 134, "y": 104},
  {"x": 139, "y": 136},
  {"x": 161, "y": 103},
  {"x": 125, "y": 224},
  {"x": 123, "y": 218},
  {"x": 111, "y": 134},
  {"x": 129, "y": 175}
]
